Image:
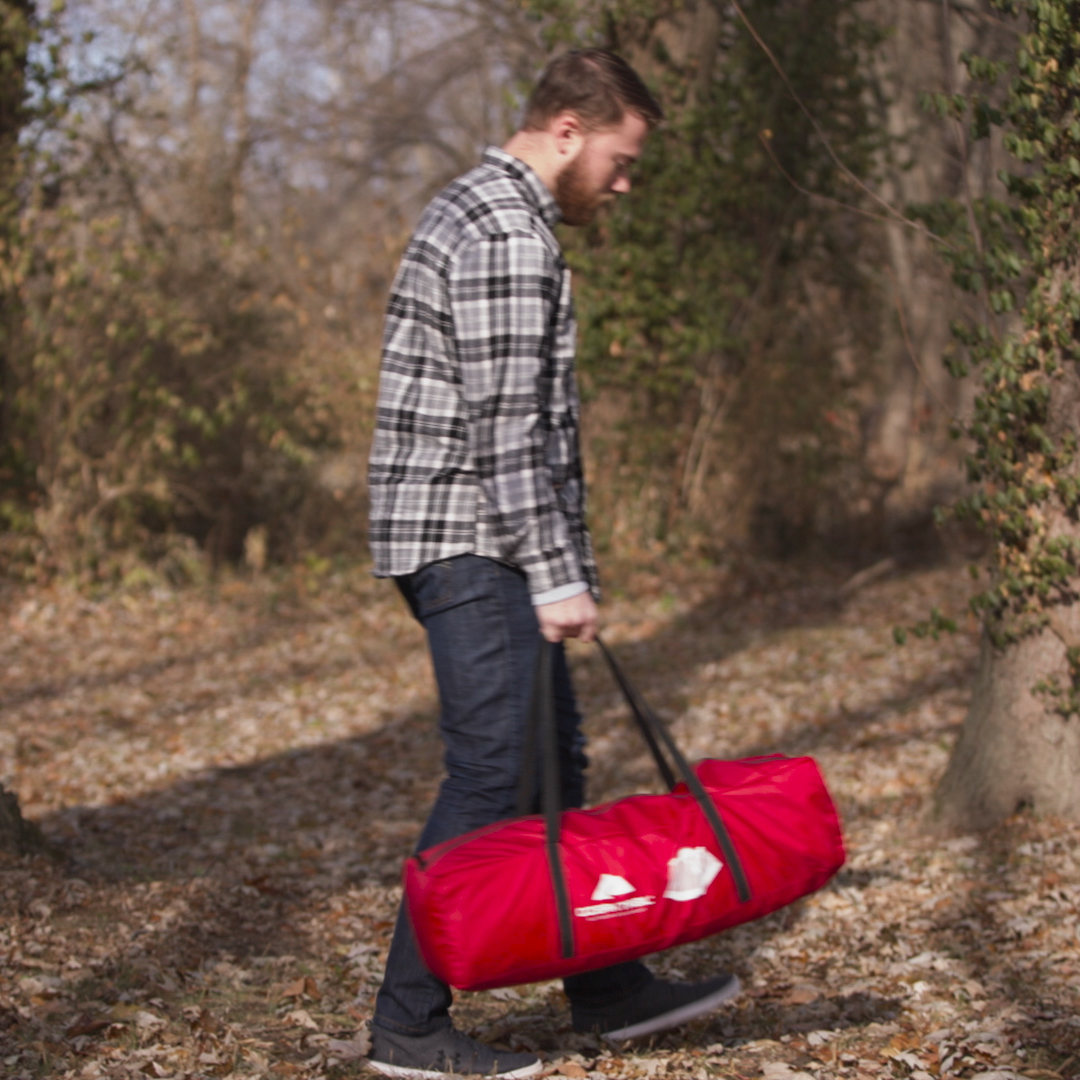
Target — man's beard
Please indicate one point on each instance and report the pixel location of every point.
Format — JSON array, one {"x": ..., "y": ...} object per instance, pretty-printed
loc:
[{"x": 578, "y": 201}]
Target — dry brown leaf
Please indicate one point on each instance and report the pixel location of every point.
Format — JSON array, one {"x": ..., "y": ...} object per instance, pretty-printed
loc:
[
  {"x": 202, "y": 1020},
  {"x": 301, "y": 1018},
  {"x": 781, "y": 1070},
  {"x": 147, "y": 1022},
  {"x": 87, "y": 1027},
  {"x": 904, "y": 1041},
  {"x": 295, "y": 989},
  {"x": 350, "y": 1049},
  {"x": 571, "y": 1068}
]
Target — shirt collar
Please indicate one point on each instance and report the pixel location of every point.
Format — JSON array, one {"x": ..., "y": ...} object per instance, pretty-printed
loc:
[{"x": 536, "y": 190}]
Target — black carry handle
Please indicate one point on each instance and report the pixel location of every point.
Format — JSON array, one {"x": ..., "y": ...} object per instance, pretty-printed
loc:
[
  {"x": 638, "y": 712},
  {"x": 541, "y": 731},
  {"x": 527, "y": 780},
  {"x": 649, "y": 722},
  {"x": 540, "y": 728}
]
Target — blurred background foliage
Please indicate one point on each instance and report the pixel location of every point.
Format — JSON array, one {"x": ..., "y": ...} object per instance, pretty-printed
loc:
[
  {"x": 697, "y": 297},
  {"x": 203, "y": 203}
]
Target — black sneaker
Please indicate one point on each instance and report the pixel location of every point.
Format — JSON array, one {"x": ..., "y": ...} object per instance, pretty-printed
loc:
[
  {"x": 446, "y": 1052},
  {"x": 657, "y": 1006}
]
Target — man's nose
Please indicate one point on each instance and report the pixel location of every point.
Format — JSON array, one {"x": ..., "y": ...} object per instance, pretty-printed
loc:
[{"x": 622, "y": 184}]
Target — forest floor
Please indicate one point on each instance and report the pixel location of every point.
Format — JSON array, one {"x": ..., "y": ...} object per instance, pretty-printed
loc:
[{"x": 232, "y": 774}]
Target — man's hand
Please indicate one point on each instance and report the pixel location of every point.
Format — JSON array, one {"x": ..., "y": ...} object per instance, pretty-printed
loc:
[{"x": 574, "y": 617}]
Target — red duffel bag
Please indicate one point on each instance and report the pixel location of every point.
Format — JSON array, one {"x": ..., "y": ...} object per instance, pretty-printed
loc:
[{"x": 544, "y": 896}]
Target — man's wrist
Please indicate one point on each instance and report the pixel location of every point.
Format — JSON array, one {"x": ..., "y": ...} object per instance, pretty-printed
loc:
[{"x": 560, "y": 592}]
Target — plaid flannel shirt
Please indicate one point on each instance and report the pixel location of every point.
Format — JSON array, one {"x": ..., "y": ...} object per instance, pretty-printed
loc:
[{"x": 476, "y": 441}]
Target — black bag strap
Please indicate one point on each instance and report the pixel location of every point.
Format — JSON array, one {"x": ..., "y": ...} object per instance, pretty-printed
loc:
[
  {"x": 540, "y": 729},
  {"x": 527, "y": 779},
  {"x": 648, "y": 721},
  {"x": 540, "y": 733},
  {"x": 645, "y": 719}
]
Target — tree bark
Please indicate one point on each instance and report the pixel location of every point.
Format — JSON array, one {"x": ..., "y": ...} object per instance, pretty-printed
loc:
[
  {"x": 16, "y": 18},
  {"x": 1014, "y": 752},
  {"x": 17, "y": 835}
]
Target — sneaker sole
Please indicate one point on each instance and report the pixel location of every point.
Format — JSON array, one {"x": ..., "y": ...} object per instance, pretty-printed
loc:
[
  {"x": 408, "y": 1073},
  {"x": 681, "y": 1015}
]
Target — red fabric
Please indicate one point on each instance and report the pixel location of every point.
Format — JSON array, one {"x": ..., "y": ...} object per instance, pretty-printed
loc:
[{"x": 483, "y": 905}]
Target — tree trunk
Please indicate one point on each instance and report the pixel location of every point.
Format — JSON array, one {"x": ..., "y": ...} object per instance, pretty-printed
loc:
[
  {"x": 1014, "y": 752},
  {"x": 16, "y": 18},
  {"x": 17, "y": 835}
]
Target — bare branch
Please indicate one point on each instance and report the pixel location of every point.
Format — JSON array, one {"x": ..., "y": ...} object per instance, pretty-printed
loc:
[
  {"x": 891, "y": 212},
  {"x": 894, "y": 218}
]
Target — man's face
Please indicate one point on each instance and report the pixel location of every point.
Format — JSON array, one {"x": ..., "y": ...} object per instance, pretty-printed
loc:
[{"x": 601, "y": 169}]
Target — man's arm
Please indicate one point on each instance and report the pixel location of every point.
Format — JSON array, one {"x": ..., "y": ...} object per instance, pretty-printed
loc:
[{"x": 504, "y": 290}]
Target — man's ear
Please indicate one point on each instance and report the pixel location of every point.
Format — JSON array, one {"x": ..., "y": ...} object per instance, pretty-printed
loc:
[{"x": 568, "y": 132}]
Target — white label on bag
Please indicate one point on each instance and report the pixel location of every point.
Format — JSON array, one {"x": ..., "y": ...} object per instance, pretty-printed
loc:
[
  {"x": 691, "y": 873},
  {"x": 606, "y": 904},
  {"x": 611, "y": 885},
  {"x": 616, "y": 907}
]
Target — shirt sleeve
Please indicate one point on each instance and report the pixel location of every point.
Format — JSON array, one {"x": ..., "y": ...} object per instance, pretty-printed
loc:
[
  {"x": 561, "y": 592},
  {"x": 504, "y": 290}
]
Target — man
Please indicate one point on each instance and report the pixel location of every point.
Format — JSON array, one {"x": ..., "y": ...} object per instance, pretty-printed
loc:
[{"x": 477, "y": 510}]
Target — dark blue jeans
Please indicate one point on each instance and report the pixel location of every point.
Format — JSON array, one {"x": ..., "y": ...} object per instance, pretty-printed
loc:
[{"x": 483, "y": 636}]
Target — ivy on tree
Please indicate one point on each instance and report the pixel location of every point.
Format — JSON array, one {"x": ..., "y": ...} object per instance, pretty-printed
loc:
[{"x": 1021, "y": 255}]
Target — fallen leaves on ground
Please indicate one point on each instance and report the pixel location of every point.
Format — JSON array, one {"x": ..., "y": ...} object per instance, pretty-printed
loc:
[{"x": 233, "y": 776}]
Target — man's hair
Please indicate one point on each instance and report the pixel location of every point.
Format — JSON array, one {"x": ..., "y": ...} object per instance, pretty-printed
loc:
[{"x": 594, "y": 83}]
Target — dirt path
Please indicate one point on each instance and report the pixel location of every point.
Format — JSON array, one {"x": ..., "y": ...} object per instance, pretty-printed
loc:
[{"x": 234, "y": 776}]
